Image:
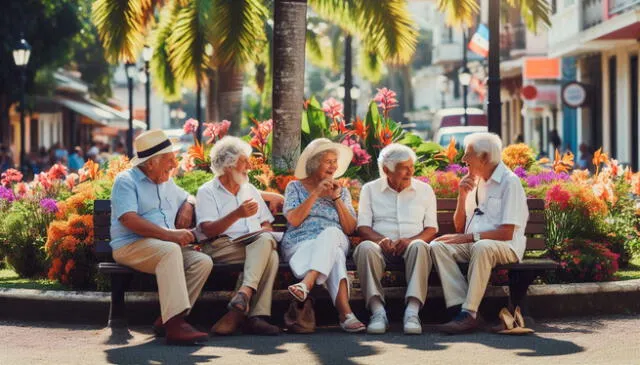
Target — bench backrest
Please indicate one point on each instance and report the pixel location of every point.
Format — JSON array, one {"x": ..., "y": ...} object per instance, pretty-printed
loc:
[{"x": 535, "y": 225}]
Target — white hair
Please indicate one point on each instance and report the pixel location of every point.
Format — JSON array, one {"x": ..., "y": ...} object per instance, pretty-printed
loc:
[
  {"x": 392, "y": 155},
  {"x": 226, "y": 152},
  {"x": 485, "y": 143},
  {"x": 314, "y": 162}
]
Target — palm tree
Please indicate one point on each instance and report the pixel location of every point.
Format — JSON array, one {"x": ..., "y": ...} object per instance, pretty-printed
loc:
[
  {"x": 193, "y": 40},
  {"x": 387, "y": 31}
]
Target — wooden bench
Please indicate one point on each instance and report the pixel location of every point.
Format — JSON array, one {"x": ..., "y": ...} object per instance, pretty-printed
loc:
[{"x": 521, "y": 275}]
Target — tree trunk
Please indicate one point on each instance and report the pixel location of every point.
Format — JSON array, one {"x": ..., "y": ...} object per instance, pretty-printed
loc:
[
  {"x": 229, "y": 95},
  {"x": 212, "y": 100},
  {"x": 290, "y": 25}
]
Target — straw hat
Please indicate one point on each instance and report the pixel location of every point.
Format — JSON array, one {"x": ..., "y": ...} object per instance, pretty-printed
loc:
[
  {"x": 151, "y": 143},
  {"x": 345, "y": 154}
]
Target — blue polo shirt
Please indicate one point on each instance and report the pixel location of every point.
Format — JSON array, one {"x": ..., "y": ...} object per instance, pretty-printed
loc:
[{"x": 134, "y": 192}]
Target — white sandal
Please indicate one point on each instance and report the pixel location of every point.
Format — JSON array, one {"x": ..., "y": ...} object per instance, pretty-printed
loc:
[
  {"x": 352, "y": 324},
  {"x": 302, "y": 287}
]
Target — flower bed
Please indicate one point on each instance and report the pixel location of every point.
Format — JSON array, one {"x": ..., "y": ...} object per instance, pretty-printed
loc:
[{"x": 46, "y": 227}]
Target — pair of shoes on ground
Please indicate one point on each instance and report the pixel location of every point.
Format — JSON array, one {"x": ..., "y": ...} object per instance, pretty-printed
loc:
[
  {"x": 511, "y": 324},
  {"x": 463, "y": 322},
  {"x": 237, "y": 316},
  {"x": 379, "y": 324},
  {"x": 178, "y": 332}
]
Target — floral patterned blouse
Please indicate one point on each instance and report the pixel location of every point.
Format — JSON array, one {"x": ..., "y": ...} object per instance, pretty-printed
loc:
[{"x": 323, "y": 214}]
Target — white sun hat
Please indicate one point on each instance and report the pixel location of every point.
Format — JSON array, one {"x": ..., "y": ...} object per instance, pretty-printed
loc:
[
  {"x": 345, "y": 154},
  {"x": 151, "y": 143}
]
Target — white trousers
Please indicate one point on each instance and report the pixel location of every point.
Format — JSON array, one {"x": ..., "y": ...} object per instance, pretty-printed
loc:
[
  {"x": 482, "y": 257},
  {"x": 326, "y": 254}
]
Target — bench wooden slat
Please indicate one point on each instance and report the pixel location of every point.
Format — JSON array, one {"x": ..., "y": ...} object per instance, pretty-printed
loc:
[
  {"x": 102, "y": 205},
  {"x": 102, "y": 220},
  {"x": 536, "y": 244},
  {"x": 535, "y": 228}
]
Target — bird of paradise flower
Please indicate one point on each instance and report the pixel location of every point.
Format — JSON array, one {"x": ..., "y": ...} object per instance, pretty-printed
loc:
[
  {"x": 448, "y": 153},
  {"x": 599, "y": 158},
  {"x": 564, "y": 163}
]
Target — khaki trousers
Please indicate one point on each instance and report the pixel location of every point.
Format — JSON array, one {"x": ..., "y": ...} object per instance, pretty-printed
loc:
[
  {"x": 371, "y": 262},
  {"x": 180, "y": 272},
  {"x": 482, "y": 257},
  {"x": 260, "y": 267}
]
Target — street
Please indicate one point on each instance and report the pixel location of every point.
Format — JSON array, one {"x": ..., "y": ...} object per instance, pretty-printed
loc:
[{"x": 600, "y": 340}]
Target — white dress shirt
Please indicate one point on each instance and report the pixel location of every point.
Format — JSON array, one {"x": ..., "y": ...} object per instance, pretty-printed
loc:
[
  {"x": 503, "y": 201},
  {"x": 214, "y": 202},
  {"x": 397, "y": 214}
]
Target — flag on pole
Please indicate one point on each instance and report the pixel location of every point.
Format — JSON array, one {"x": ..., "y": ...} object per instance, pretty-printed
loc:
[{"x": 480, "y": 41}]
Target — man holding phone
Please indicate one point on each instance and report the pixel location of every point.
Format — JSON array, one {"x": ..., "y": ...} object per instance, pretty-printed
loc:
[{"x": 228, "y": 208}]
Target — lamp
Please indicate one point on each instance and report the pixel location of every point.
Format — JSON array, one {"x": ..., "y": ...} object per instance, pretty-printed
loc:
[
  {"x": 464, "y": 76},
  {"x": 147, "y": 52},
  {"x": 130, "y": 69},
  {"x": 21, "y": 54}
]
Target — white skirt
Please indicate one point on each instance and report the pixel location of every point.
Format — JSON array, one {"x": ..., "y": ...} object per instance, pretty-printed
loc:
[{"x": 326, "y": 254}]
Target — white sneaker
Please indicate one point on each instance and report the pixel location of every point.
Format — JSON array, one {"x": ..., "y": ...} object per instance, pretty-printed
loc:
[
  {"x": 412, "y": 325},
  {"x": 378, "y": 324}
]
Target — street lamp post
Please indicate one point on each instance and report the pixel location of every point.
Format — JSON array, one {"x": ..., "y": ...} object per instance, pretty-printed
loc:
[
  {"x": 443, "y": 85},
  {"x": 348, "y": 77},
  {"x": 21, "y": 55},
  {"x": 494, "y": 114},
  {"x": 464, "y": 76},
  {"x": 130, "y": 69},
  {"x": 147, "y": 52}
]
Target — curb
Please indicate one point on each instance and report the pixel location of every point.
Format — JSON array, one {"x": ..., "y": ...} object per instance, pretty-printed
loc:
[{"x": 546, "y": 301}]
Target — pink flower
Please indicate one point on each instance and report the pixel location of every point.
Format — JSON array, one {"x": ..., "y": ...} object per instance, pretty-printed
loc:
[
  {"x": 11, "y": 176},
  {"x": 43, "y": 180},
  {"x": 58, "y": 171},
  {"x": 22, "y": 189},
  {"x": 360, "y": 156},
  {"x": 216, "y": 130},
  {"x": 386, "y": 100},
  {"x": 260, "y": 134},
  {"x": 333, "y": 108},
  {"x": 186, "y": 162},
  {"x": 190, "y": 126},
  {"x": 71, "y": 180}
]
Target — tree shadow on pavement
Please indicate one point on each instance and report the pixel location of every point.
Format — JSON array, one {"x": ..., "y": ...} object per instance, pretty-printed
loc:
[{"x": 156, "y": 352}]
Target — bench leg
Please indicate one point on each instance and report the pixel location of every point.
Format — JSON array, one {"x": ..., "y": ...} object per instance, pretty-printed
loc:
[
  {"x": 117, "y": 311},
  {"x": 519, "y": 282}
]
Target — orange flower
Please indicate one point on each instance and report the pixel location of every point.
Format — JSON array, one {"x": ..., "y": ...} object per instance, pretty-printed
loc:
[
  {"x": 599, "y": 158},
  {"x": 385, "y": 136},
  {"x": 544, "y": 160},
  {"x": 69, "y": 266},
  {"x": 92, "y": 169},
  {"x": 266, "y": 177},
  {"x": 518, "y": 154},
  {"x": 117, "y": 165},
  {"x": 197, "y": 153},
  {"x": 628, "y": 175},
  {"x": 360, "y": 129},
  {"x": 563, "y": 164},
  {"x": 448, "y": 153},
  {"x": 57, "y": 171},
  {"x": 282, "y": 181}
]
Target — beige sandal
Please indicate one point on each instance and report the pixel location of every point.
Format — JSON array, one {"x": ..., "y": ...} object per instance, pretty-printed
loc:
[{"x": 301, "y": 287}]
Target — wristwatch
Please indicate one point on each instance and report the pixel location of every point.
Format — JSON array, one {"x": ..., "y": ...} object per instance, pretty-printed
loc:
[{"x": 476, "y": 236}]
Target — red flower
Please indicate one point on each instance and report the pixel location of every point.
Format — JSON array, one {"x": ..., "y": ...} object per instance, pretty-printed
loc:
[
  {"x": 11, "y": 176},
  {"x": 58, "y": 171},
  {"x": 360, "y": 129},
  {"x": 385, "y": 136},
  {"x": 558, "y": 195}
]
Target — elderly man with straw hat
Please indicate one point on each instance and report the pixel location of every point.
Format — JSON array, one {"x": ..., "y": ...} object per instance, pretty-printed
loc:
[
  {"x": 147, "y": 211},
  {"x": 320, "y": 215}
]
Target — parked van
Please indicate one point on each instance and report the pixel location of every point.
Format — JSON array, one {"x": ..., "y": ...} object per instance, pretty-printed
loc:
[{"x": 449, "y": 123}]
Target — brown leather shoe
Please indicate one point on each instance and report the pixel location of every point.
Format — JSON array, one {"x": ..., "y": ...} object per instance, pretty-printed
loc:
[
  {"x": 462, "y": 323},
  {"x": 259, "y": 326},
  {"x": 158, "y": 327},
  {"x": 179, "y": 332},
  {"x": 228, "y": 324}
]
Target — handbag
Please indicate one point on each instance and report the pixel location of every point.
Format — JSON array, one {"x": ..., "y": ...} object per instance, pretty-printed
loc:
[{"x": 300, "y": 317}]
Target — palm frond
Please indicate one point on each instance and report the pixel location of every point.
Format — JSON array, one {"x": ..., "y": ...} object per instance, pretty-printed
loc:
[
  {"x": 120, "y": 27},
  {"x": 370, "y": 65},
  {"x": 148, "y": 8},
  {"x": 459, "y": 12},
  {"x": 237, "y": 27},
  {"x": 314, "y": 50},
  {"x": 165, "y": 81},
  {"x": 533, "y": 11},
  {"x": 188, "y": 39},
  {"x": 389, "y": 25},
  {"x": 342, "y": 13}
]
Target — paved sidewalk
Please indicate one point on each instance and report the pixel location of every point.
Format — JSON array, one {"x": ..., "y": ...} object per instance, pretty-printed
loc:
[{"x": 599, "y": 340}]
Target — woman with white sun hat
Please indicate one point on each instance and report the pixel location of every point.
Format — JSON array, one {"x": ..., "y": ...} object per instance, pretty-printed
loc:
[{"x": 320, "y": 216}]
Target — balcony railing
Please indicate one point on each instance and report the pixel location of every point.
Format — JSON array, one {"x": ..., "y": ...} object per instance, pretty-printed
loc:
[
  {"x": 620, "y": 6},
  {"x": 592, "y": 13}
]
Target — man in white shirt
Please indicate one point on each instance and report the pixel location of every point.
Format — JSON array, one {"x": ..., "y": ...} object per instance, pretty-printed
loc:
[
  {"x": 228, "y": 207},
  {"x": 397, "y": 216},
  {"x": 491, "y": 217}
]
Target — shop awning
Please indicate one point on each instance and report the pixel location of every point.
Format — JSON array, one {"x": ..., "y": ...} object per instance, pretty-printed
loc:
[{"x": 100, "y": 114}]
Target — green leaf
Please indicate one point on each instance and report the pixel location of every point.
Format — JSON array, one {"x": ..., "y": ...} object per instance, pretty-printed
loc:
[
  {"x": 428, "y": 147},
  {"x": 411, "y": 140}
]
